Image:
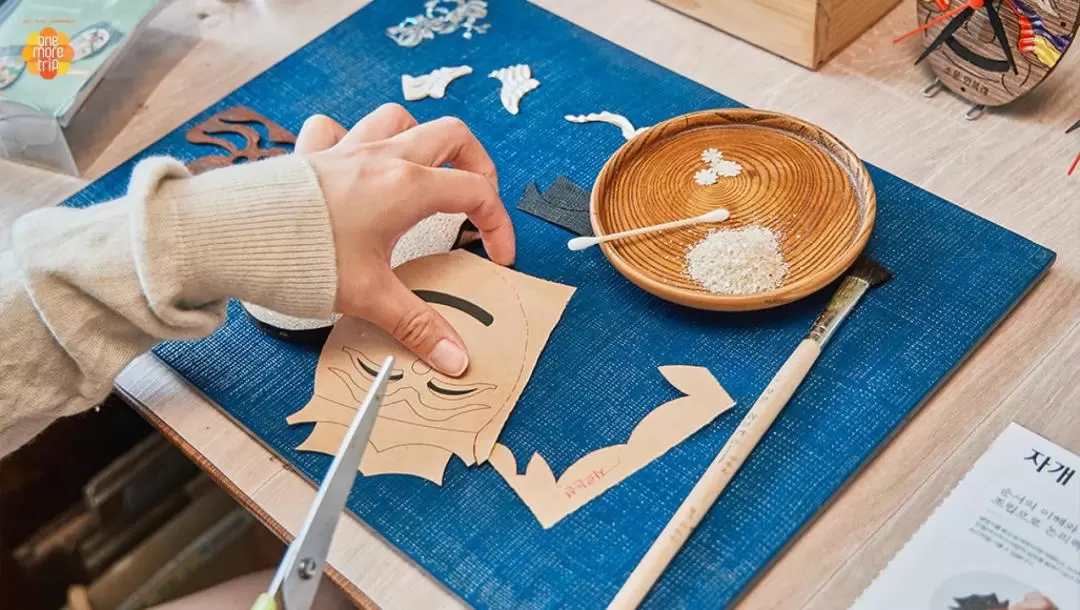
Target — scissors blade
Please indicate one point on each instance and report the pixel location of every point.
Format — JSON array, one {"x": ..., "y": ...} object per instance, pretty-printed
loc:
[
  {"x": 297, "y": 577},
  {"x": 946, "y": 33},
  {"x": 1073, "y": 128},
  {"x": 999, "y": 33}
]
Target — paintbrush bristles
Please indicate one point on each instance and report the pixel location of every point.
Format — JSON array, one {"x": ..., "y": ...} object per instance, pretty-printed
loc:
[{"x": 870, "y": 270}]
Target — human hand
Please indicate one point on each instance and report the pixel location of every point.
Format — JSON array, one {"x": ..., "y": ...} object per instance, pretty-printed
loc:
[
  {"x": 1034, "y": 601},
  {"x": 379, "y": 179}
]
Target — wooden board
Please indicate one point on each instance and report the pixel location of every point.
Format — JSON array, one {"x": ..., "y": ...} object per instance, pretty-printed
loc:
[
  {"x": 974, "y": 66},
  {"x": 796, "y": 179}
]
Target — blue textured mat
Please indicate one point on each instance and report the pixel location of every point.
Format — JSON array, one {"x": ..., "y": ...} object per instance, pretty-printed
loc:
[{"x": 956, "y": 276}]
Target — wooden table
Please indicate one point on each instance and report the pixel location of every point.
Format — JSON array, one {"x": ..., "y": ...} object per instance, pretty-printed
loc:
[{"x": 1008, "y": 167}]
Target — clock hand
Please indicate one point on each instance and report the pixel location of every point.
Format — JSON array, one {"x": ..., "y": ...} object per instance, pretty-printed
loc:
[
  {"x": 947, "y": 33},
  {"x": 1076, "y": 162},
  {"x": 967, "y": 7},
  {"x": 999, "y": 33}
]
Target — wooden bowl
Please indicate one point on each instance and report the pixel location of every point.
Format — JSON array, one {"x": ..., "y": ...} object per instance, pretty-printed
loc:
[{"x": 797, "y": 180}]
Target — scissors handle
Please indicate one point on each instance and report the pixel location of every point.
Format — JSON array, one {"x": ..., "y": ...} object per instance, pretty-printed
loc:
[{"x": 265, "y": 602}]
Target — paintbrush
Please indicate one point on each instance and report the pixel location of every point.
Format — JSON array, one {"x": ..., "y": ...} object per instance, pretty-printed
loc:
[{"x": 863, "y": 275}]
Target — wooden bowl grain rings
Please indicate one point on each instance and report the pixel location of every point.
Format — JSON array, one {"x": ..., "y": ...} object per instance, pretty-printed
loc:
[{"x": 797, "y": 179}]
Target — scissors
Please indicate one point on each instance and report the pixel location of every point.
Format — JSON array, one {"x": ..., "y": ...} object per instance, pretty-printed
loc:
[{"x": 297, "y": 576}]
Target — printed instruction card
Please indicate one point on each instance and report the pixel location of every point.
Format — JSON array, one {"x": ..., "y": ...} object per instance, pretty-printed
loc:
[{"x": 1005, "y": 538}]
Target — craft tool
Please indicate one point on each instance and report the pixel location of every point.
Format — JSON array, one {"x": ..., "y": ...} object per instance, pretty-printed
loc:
[
  {"x": 864, "y": 275},
  {"x": 581, "y": 243},
  {"x": 297, "y": 578}
]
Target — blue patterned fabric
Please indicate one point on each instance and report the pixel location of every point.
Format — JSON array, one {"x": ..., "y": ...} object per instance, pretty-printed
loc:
[{"x": 956, "y": 276}]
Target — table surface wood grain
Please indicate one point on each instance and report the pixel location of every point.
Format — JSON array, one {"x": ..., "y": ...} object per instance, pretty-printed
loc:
[{"x": 1009, "y": 167}]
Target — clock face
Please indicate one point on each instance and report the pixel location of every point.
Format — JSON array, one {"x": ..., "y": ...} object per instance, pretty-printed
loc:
[{"x": 973, "y": 63}]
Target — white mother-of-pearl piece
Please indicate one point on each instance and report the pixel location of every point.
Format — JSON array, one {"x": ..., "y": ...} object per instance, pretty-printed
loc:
[
  {"x": 617, "y": 120},
  {"x": 433, "y": 84},
  {"x": 726, "y": 168},
  {"x": 1048, "y": 6},
  {"x": 516, "y": 82}
]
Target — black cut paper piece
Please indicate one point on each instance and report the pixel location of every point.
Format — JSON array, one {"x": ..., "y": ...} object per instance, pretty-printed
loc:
[
  {"x": 564, "y": 204},
  {"x": 1075, "y": 126},
  {"x": 979, "y": 602}
]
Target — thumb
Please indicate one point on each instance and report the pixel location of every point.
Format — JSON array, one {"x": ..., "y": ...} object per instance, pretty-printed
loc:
[{"x": 417, "y": 326}]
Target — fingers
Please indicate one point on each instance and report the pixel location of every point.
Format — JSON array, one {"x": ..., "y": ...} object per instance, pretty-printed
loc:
[
  {"x": 442, "y": 141},
  {"x": 454, "y": 191},
  {"x": 417, "y": 326},
  {"x": 1034, "y": 601},
  {"x": 384, "y": 122},
  {"x": 319, "y": 132}
]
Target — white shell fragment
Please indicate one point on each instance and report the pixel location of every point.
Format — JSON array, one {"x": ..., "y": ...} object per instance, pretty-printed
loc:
[
  {"x": 617, "y": 120},
  {"x": 1049, "y": 7},
  {"x": 516, "y": 82},
  {"x": 441, "y": 17},
  {"x": 718, "y": 167},
  {"x": 705, "y": 177},
  {"x": 433, "y": 84},
  {"x": 726, "y": 168}
]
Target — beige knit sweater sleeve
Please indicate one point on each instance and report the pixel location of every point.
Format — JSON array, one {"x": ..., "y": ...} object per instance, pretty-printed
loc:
[{"x": 82, "y": 292}]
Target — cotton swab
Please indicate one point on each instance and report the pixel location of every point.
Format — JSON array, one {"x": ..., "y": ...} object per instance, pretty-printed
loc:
[{"x": 580, "y": 243}]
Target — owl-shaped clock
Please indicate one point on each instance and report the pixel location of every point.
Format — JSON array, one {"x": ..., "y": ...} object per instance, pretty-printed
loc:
[{"x": 991, "y": 52}]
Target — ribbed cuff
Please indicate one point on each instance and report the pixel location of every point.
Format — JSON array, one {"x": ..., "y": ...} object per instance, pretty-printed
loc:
[{"x": 259, "y": 232}]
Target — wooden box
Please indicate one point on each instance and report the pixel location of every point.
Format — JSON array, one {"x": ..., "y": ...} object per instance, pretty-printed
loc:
[{"x": 808, "y": 32}]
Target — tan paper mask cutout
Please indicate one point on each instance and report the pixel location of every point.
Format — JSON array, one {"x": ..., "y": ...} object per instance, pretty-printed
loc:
[
  {"x": 504, "y": 317},
  {"x": 664, "y": 427}
]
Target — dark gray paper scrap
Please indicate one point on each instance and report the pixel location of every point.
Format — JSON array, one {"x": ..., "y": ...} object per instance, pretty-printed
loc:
[{"x": 564, "y": 204}]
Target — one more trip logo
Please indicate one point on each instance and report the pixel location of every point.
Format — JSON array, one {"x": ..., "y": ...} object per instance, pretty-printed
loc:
[{"x": 48, "y": 53}]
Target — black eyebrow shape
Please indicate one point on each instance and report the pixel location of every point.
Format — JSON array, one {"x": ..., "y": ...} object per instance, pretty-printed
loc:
[
  {"x": 448, "y": 392},
  {"x": 374, "y": 373},
  {"x": 468, "y": 307}
]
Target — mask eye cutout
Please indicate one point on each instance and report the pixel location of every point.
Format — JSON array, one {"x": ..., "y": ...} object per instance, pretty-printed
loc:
[
  {"x": 450, "y": 391},
  {"x": 368, "y": 367}
]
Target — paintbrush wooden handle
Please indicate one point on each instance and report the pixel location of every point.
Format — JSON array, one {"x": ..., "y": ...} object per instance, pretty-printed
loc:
[{"x": 708, "y": 488}]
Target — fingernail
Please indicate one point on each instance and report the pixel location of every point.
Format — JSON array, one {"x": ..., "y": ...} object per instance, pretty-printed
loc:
[{"x": 449, "y": 358}]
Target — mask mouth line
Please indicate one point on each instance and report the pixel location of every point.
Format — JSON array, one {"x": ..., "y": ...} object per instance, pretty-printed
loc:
[
  {"x": 432, "y": 426},
  {"x": 410, "y": 394},
  {"x": 980, "y": 61},
  {"x": 442, "y": 415}
]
